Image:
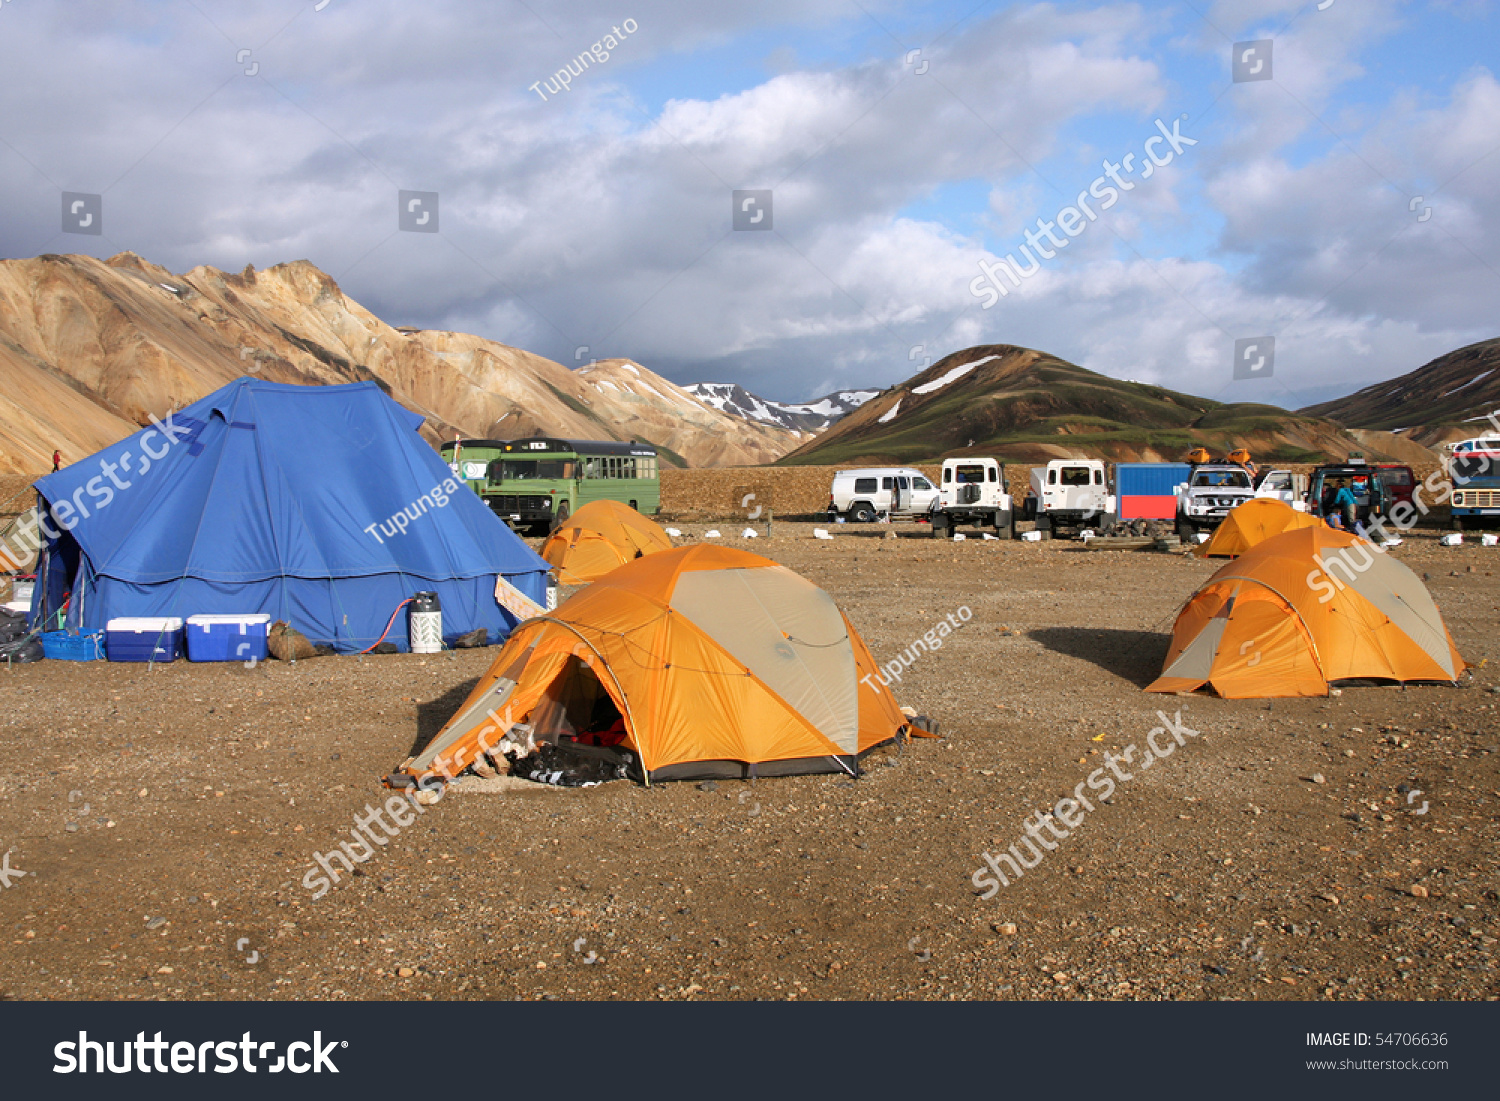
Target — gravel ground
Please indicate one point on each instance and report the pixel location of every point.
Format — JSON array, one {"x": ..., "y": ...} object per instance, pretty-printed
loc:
[{"x": 166, "y": 819}]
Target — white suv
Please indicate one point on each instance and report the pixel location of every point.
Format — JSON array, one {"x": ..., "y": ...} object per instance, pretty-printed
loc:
[
  {"x": 1212, "y": 491},
  {"x": 974, "y": 491},
  {"x": 862, "y": 495}
]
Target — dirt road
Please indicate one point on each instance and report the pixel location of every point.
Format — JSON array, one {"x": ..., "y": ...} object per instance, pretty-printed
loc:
[{"x": 166, "y": 819}]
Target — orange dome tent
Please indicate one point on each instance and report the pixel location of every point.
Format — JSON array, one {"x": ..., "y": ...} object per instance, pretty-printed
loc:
[
  {"x": 599, "y": 537},
  {"x": 718, "y": 661},
  {"x": 1303, "y": 610},
  {"x": 1252, "y": 523}
]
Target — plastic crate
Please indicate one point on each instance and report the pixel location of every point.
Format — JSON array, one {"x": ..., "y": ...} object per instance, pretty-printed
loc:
[
  {"x": 61, "y": 646},
  {"x": 148, "y": 638},
  {"x": 227, "y": 637}
]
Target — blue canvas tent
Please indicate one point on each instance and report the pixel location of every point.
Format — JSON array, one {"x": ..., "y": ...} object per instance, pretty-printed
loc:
[{"x": 320, "y": 505}]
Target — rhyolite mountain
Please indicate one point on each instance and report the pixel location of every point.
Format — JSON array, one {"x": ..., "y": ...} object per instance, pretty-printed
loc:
[{"x": 90, "y": 349}]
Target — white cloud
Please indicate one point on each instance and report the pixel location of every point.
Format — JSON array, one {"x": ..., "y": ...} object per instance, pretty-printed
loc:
[{"x": 588, "y": 220}]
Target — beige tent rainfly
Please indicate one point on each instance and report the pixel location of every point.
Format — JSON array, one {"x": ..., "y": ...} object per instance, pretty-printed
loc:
[
  {"x": 1303, "y": 610},
  {"x": 711, "y": 661}
]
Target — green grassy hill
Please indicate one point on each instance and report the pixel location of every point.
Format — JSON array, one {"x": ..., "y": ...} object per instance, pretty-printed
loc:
[
  {"x": 1446, "y": 399},
  {"x": 1021, "y": 404}
]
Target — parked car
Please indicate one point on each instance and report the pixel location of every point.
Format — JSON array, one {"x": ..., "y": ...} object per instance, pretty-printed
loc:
[
  {"x": 1211, "y": 492},
  {"x": 1399, "y": 481},
  {"x": 862, "y": 495},
  {"x": 972, "y": 491},
  {"x": 1284, "y": 486},
  {"x": 1068, "y": 495},
  {"x": 1474, "y": 467},
  {"x": 1363, "y": 482}
]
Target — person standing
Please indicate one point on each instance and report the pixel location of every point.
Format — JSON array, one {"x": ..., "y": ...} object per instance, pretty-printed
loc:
[
  {"x": 56, "y": 461},
  {"x": 1346, "y": 506}
]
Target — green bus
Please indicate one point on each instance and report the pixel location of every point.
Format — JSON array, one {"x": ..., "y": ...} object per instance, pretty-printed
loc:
[
  {"x": 470, "y": 460},
  {"x": 540, "y": 482}
]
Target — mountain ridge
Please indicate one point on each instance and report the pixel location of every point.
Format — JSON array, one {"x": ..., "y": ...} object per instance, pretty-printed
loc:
[
  {"x": 91, "y": 349},
  {"x": 1445, "y": 399},
  {"x": 804, "y": 418},
  {"x": 1026, "y": 405}
]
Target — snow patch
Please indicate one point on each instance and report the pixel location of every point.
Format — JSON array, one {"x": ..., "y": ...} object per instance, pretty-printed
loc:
[
  {"x": 890, "y": 414},
  {"x": 952, "y": 375},
  {"x": 1471, "y": 382}
]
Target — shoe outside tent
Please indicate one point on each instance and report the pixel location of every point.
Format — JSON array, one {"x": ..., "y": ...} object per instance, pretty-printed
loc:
[
  {"x": 1305, "y": 610},
  {"x": 318, "y": 505},
  {"x": 599, "y": 537},
  {"x": 1252, "y": 523},
  {"x": 716, "y": 661}
]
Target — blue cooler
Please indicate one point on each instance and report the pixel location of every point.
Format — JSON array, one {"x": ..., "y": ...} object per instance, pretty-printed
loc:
[
  {"x": 144, "y": 638},
  {"x": 227, "y": 637}
]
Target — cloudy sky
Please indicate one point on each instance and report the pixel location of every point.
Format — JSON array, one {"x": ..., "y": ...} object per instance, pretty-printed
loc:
[{"x": 1348, "y": 206}]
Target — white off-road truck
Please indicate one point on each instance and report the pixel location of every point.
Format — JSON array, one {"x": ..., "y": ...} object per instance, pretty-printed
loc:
[
  {"x": 974, "y": 492},
  {"x": 1212, "y": 490},
  {"x": 1284, "y": 486},
  {"x": 1069, "y": 495}
]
